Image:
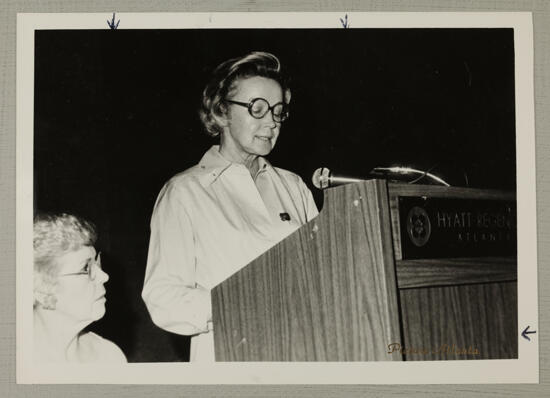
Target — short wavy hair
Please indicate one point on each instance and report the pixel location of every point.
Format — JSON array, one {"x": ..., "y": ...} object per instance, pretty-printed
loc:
[
  {"x": 224, "y": 79},
  {"x": 55, "y": 235}
]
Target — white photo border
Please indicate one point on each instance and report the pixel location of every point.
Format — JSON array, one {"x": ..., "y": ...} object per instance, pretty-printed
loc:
[{"x": 525, "y": 369}]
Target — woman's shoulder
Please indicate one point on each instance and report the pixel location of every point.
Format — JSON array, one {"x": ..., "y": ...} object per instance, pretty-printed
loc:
[
  {"x": 183, "y": 181},
  {"x": 104, "y": 350},
  {"x": 185, "y": 176}
]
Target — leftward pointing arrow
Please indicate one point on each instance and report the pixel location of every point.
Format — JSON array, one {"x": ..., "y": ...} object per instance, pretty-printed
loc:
[{"x": 526, "y": 332}]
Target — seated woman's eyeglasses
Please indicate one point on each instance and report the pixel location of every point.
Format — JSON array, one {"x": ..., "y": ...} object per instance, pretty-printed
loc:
[
  {"x": 90, "y": 268},
  {"x": 259, "y": 107}
]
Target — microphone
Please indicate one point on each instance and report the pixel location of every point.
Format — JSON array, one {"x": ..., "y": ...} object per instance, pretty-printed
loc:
[{"x": 323, "y": 178}]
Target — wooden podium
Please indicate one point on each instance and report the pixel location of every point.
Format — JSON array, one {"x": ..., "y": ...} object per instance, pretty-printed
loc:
[{"x": 386, "y": 272}]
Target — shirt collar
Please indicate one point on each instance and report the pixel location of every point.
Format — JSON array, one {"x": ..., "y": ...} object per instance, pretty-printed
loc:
[{"x": 213, "y": 164}]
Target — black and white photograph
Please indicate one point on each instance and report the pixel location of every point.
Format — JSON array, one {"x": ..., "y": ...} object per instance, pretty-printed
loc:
[{"x": 277, "y": 192}]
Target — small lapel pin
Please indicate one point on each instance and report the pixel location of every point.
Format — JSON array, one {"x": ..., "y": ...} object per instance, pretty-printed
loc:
[{"x": 284, "y": 216}]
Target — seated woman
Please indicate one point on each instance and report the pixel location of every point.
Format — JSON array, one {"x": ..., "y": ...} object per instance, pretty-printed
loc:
[{"x": 68, "y": 292}]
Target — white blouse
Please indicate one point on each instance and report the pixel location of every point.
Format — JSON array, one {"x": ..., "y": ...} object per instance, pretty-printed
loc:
[
  {"x": 90, "y": 348},
  {"x": 208, "y": 222}
]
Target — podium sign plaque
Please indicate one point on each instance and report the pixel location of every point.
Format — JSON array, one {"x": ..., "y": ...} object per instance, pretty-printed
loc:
[{"x": 443, "y": 227}]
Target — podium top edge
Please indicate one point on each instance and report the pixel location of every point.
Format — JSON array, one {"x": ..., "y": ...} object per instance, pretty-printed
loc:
[{"x": 436, "y": 191}]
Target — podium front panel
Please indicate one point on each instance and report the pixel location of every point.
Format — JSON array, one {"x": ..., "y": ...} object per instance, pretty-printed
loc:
[{"x": 325, "y": 293}]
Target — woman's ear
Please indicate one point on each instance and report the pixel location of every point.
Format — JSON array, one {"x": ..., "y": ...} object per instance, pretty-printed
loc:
[
  {"x": 220, "y": 115},
  {"x": 45, "y": 300},
  {"x": 287, "y": 96}
]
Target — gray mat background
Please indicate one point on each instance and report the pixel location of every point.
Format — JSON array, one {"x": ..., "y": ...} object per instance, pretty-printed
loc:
[{"x": 8, "y": 11}]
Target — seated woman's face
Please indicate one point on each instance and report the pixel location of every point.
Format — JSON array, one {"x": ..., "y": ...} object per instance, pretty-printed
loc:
[
  {"x": 78, "y": 296},
  {"x": 250, "y": 135}
]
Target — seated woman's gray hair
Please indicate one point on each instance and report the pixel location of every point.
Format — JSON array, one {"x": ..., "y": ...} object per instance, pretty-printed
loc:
[{"x": 224, "y": 79}]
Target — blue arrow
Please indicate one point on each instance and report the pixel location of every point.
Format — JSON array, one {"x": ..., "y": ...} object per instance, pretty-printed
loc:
[
  {"x": 526, "y": 332},
  {"x": 112, "y": 23},
  {"x": 345, "y": 22}
]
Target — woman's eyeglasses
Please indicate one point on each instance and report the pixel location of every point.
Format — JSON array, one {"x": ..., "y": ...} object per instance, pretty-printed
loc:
[
  {"x": 90, "y": 269},
  {"x": 259, "y": 107}
]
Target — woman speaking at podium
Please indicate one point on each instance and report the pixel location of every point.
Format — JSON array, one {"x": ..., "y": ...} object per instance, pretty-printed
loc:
[{"x": 213, "y": 219}]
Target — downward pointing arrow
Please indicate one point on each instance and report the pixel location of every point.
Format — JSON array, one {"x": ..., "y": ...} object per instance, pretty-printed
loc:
[
  {"x": 526, "y": 332},
  {"x": 112, "y": 23}
]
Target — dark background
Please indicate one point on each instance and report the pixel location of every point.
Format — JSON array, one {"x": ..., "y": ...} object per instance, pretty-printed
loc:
[{"x": 116, "y": 116}]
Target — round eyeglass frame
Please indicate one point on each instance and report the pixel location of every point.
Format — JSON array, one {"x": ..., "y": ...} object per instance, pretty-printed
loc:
[{"x": 276, "y": 118}]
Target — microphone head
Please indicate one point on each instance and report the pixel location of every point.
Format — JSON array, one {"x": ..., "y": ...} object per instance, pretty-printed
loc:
[{"x": 321, "y": 178}]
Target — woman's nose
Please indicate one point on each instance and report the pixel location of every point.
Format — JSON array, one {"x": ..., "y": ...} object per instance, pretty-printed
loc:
[
  {"x": 101, "y": 276},
  {"x": 268, "y": 119}
]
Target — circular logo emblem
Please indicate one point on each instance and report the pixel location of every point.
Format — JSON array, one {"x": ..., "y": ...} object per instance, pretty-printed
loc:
[{"x": 418, "y": 226}]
